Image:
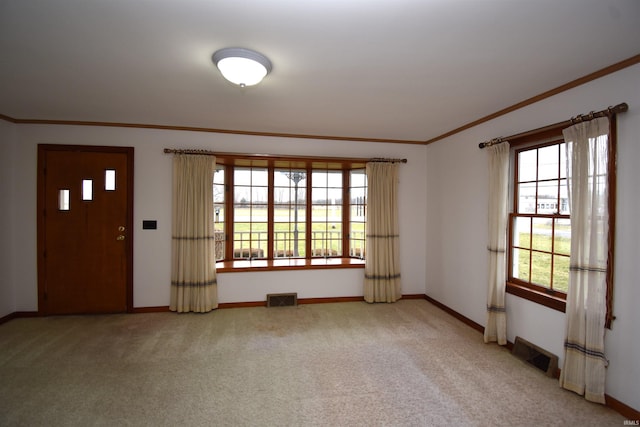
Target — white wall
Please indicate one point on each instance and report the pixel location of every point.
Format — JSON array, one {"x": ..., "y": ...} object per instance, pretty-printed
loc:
[
  {"x": 152, "y": 195},
  {"x": 457, "y": 226},
  {"x": 7, "y": 143}
]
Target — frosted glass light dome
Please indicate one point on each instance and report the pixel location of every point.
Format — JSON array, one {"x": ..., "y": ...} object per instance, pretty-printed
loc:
[{"x": 243, "y": 67}]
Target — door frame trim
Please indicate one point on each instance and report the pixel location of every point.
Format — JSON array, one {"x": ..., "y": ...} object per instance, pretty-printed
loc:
[{"x": 42, "y": 150}]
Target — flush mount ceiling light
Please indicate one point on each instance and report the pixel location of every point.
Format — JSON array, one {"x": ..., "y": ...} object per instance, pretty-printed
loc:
[{"x": 241, "y": 66}]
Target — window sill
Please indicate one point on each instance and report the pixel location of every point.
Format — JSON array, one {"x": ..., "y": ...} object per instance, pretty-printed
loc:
[
  {"x": 542, "y": 298},
  {"x": 287, "y": 264}
]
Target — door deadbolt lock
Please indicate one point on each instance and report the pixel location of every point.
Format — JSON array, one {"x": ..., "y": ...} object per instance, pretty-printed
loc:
[{"x": 121, "y": 228}]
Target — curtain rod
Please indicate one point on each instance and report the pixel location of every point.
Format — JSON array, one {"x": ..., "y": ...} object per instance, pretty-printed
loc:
[
  {"x": 383, "y": 160},
  {"x": 211, "y": 153},
  {"x": 178, "y": 151},
  {"x": 620, "y": 108}
]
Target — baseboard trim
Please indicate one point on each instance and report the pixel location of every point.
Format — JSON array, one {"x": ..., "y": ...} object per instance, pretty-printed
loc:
[
  {"x": 224, "y": 305},
  {"x": 300, "y": 301},
  {"x": 17, "y": 315},
  {"x": 309, "y": 301},
  {"x": 616, "y": 405},
  {"x": 328, "y": 300},
  {"x": 414, "y": 296},
  {"x": 478, "y": 327},
  {"x": 165, "y": 308},
  {"x": 158, "y": 309},
  {"x": 8, "y": 317},
  {"x": 625, "y": 410}
]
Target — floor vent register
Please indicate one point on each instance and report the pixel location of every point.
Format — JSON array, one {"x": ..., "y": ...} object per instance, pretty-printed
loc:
[
  {"x": 282, "y": 300},
  {"x": 531, "y": 353}
]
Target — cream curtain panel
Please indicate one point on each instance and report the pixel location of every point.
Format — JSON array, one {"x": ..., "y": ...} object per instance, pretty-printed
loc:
[
  {"x": 584, "y": 363},
  {"x": 193, "y": 271},
  {"x": 496, "y": 328},
  {"x": 382, "y": 264}
]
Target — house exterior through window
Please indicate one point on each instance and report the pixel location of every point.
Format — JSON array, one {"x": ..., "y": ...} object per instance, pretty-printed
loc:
[
  {"x": 540, "y": 225},
  {"x": 289, "y": 208}
]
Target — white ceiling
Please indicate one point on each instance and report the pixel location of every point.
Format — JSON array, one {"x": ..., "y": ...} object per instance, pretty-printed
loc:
[{"x": 384, "y": 69}]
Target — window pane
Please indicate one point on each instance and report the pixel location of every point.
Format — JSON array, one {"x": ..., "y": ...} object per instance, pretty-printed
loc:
[
  {"x": 541, "y": 269},
  {"x": 548, "y": 162},
  {"x": 219, "y": 212},
  {"x": 259, "y": 177},
  {"x": 218, "y": 186},
  {"x": 527, "y": 198},
  {"x": 562, "y": 236},
  {"x": 289, "y": 240},
  {"x": 358, "y": 195},
  {"x": 548, "y": 197},
  {"x": 319, "y": 179},
  {"x": 219, "y": 236},
  {"x": 357, "y": 213},
  {"x": 218, "y": 176},
  {"x": 242, "y": 231},
  {"x": 522, "y": 232},
  {"x": 358, "y": 178},
  {"x": 561, "y": 273},
  {"x": 242, "y": 176},
  {"x": 541, "y": 237},
  {"x": 563, "y": 160},
  {"x": 319, "y": 196},
  {"x": 110, "y": 180},
  {"x": 250, "y": 240},
  {"x": 259, "y": 194},
  {"x": 335, "y": 243},
  {"x": 334, "y": 196},
  {"x": 564, "y": 198},
  {"x": 87, "y": 189},
  {"x": 521, "y": 264},
  {"x": 250, "y": 196},
  {"x": 259, "y": 213},
  {"x": 289, "y": 212},
  {"x": 219, "y": 231},
  {"x": 319, "y": 214},
  {"x": 290, "y": 186},
  {"x": 63, "y": 200},
  {"x": 527, "y": 165},
  {"x": 334, "y": 179},
  {"x": 326, "y": 216},
  {"x": 357, "y": 241}
]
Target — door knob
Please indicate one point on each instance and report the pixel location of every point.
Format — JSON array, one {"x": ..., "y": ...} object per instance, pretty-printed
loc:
[{"x": 120, "y": 237}]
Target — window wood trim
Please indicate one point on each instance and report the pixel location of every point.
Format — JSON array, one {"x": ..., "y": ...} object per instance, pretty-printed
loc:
[
  {"x": 238, "y": 266},
  {"x": 540, "y": 297}
]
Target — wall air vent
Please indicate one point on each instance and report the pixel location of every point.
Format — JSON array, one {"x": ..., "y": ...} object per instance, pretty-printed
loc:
[
  {"x": 531, "y": 353},
  {"x": 282, "y": 300}
]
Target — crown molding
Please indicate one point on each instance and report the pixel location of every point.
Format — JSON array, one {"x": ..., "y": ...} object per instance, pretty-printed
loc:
[{"x": 570, "y": 85}]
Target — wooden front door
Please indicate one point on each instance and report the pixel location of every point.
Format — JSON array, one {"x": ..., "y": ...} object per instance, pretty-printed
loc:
[{"x": 85, "y": 248}]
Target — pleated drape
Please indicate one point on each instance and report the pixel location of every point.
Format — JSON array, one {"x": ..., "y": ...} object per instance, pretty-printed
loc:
[
  {"x": 382, "y": 264},
  {"x": 496, "y": 328},
  {"x": 584, "y": 363},
  {"x": 193, "y": 272}
]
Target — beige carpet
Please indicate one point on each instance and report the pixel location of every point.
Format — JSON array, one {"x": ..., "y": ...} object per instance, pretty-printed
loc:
[{"x": 343, "y": 364}]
